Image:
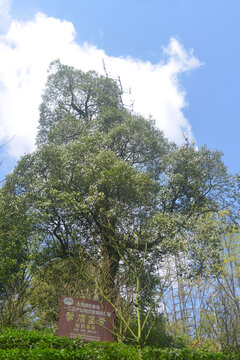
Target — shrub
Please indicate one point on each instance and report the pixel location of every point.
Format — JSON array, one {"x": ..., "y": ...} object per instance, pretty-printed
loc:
[{"x": 21, "y": 345}]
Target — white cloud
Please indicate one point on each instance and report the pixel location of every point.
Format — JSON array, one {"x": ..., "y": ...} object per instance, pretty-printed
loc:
[{"x": 27, "y": 49}]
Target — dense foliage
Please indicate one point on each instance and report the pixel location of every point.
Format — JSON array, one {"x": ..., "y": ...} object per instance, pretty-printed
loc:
[
  {"x": 105, "y": 208},
  {"x": 38, "y": 345}
]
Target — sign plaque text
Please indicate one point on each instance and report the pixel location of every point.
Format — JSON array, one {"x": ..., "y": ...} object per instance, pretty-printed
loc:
[{"x": 91, "y": 320}]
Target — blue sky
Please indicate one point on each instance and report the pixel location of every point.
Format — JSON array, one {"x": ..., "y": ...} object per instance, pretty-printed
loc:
[{"x": 180, "y": 58}]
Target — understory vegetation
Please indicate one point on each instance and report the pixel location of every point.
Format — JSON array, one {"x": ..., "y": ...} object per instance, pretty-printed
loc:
[{"x": 38, "y": 345}]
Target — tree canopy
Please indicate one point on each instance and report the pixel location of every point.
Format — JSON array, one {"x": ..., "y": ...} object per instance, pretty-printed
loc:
[{"x": 104, "y": 183}]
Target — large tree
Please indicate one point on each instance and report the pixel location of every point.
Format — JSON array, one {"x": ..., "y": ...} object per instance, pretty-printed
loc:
[{"x": 102, "y": 177}]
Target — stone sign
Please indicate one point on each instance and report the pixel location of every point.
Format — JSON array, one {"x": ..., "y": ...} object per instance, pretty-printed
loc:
[{"x": 89, "y": 319}]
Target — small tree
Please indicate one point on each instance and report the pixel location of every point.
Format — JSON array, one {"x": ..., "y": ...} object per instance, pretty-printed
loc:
[{"x": 136, "y": 295}]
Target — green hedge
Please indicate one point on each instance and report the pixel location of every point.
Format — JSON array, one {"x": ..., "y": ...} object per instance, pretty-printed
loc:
[{"x": 20, "y": 345}]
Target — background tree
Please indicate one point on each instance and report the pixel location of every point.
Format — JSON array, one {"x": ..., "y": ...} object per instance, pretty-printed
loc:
[{"x": 16, "y": 237}]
